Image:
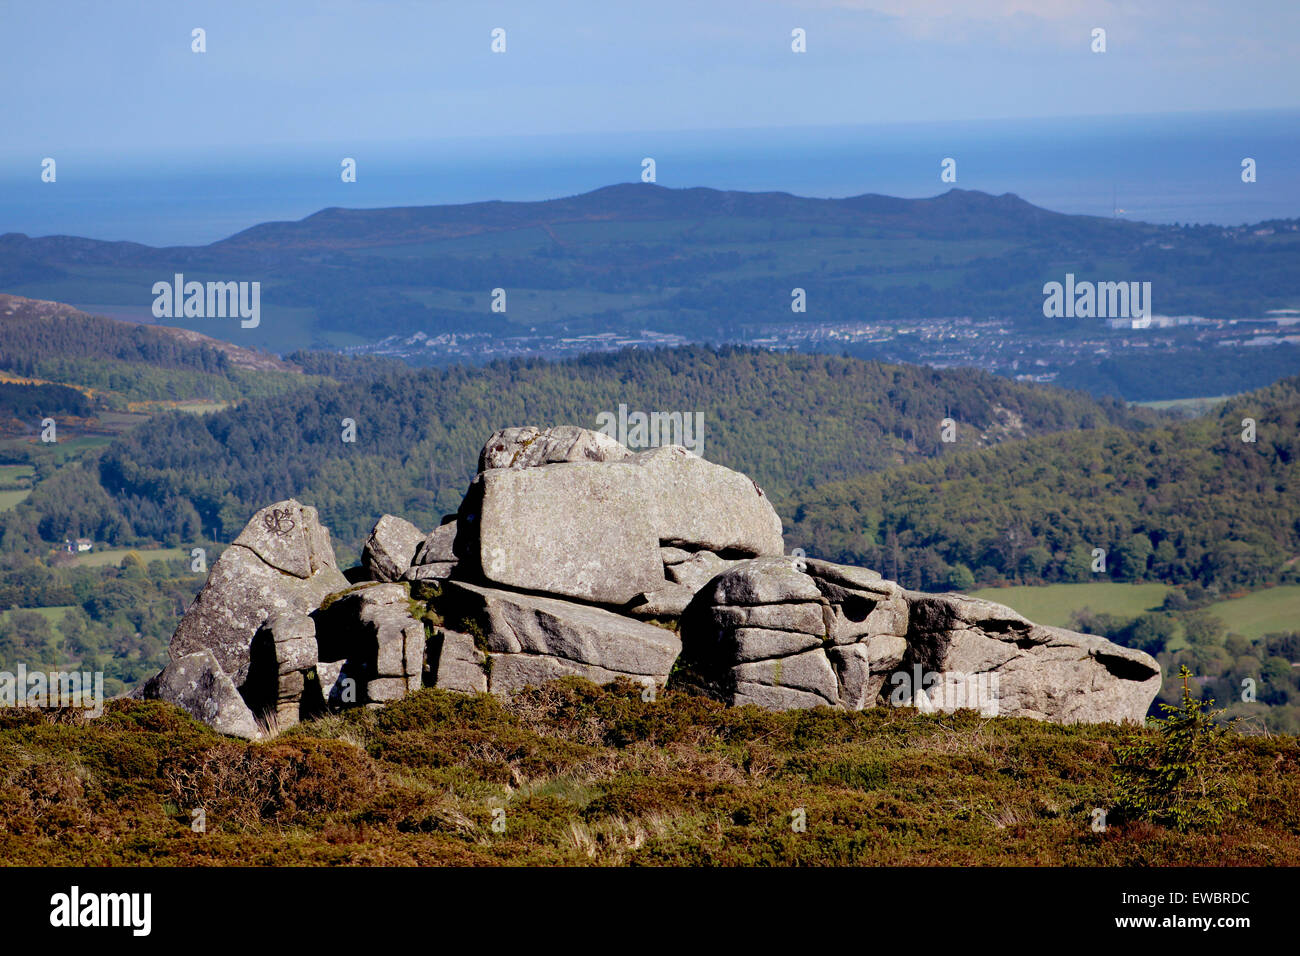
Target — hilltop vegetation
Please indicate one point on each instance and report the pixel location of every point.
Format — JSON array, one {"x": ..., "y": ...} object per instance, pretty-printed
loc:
[
  {"x": 789, "y": 421},
  {"x": 1190, "y": 502},
  {"x": 574, "y": 774},
  {"x": 114, "y": 364}
]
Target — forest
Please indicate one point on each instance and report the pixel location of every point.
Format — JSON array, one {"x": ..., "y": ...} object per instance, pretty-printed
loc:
[{"x": 790, "y": 421}]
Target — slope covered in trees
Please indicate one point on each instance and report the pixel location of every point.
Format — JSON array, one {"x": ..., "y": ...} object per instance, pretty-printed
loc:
[
  {"x": 1190, "y": 502},
  {"x": 790, "y": 421}
]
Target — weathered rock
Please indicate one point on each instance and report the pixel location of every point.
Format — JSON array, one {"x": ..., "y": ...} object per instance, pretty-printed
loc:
[
  {"x": 806, "y": 617},
  {"x": 577, "y": 530},
  {"x": 282, "y": 655},
  {"x": 809, "y": 671},
  {"x": 984, "y": 654},
  {"x": 197, "y": 684},
  {"x": 243, "y": 590},
  {"x": 796, "y": 628},
  {"x": 529, "y": 446},
  {"x": 763, "y": 581},
  {"x": 665, "y": 604},
  {"x": 526, "y": 624},
  {"x": 852, "y": 666},
  {"x": 390, "y": 549},
  {"x": 698, "y": 570},
  {"x": 438, "y": 571},
  {"x": 289, "y": 537},
  {"x": 771, "y": 697},
  {"x": 671, "y": 555},
  {"x": 439, "y": 546},
  {"x": 372, "y": 628},
  {"x": 702, "y": 505},
  {"x": 456, "y": 663},
  {"x": 760, "y": 643},
  {"x": 656, "y": 535}
]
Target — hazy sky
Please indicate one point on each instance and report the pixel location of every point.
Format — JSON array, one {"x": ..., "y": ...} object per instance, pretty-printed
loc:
[{"x": 120, "y": 76}]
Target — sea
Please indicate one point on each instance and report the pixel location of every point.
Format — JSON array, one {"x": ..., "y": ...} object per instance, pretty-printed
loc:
[{"x": 1170, "y": 168}]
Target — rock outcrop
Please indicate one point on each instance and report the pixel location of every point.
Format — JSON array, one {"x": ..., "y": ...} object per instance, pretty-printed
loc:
[
  {"x": 787, "y": 633},
  {"x": 573, "y": 555},
  {"x": 281, "y": 562}
]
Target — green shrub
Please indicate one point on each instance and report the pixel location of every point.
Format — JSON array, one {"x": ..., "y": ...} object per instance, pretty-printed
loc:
[{"x": 1181, "y": 776}]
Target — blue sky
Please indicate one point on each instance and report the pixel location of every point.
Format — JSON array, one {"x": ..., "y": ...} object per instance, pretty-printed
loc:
[{"x": 120, "y": 77}]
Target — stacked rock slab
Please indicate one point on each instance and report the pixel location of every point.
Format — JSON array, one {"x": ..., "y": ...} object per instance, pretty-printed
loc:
[
  {"x": 372, "y": 630},
  {"x": 786, "y": 633},
  {"x": 435, "y": 557},
  {"x": 282, "y": 663},
  {"x": 1048, "y": 673},
  {"x": 530, "y": 639},
  {"x": 572, "y": 555}
]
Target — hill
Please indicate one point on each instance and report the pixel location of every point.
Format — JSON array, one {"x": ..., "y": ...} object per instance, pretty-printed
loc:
[
  {"x": 789, "y": 420},
  {"x": 706, "y": 264},
  {"x": 98, "y": 377},
  {"x": 1191, "y": 502}
]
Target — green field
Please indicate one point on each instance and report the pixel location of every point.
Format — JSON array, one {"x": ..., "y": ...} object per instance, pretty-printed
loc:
[
  {"x": 8, "y": 499},
  {"x": 52, "y": 614},
  {"x": 1263, "y": 612},
  {"x": 1269, "y": 611},
  {"x": 1055, "y": 604},
  {"x": 98, "y": 559}
]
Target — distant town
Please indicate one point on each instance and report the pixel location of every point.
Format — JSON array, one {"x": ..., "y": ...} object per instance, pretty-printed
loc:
[{"x": 1015, "y": 349}]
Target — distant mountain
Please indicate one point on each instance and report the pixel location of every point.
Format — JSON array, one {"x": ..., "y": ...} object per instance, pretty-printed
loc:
[
  {"x": 705, "y": 264},
  {"x": 970, "y": 213}
]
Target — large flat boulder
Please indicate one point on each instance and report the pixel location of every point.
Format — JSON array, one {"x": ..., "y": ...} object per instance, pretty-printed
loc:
[
  {"x": 520, "y": 624},
  {"x": 702, "y": 505},
  {"x": 578, "y": 530}
]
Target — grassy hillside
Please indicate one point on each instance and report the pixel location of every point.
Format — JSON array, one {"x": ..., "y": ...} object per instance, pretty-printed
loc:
[
  {"x": 577, "y": 775},
  {"x": 1268, "y": 611}
]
